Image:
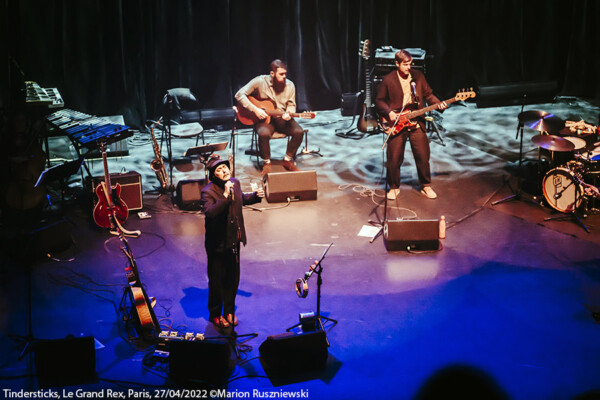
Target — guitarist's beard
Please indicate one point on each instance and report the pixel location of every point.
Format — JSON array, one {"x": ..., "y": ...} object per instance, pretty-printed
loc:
[{"x": 278, "y": 86}]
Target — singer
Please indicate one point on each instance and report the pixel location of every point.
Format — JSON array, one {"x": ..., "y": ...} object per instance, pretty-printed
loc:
[
  {"x": 401, "y": 90},
  {"x": 222, "y": 201}
]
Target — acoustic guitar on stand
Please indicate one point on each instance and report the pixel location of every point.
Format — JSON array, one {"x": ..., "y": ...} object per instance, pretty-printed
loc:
[
  {"x": 405, "y": 118},
  {"x": 248, "y": 117},
  {"x": 148, "y": 324}
]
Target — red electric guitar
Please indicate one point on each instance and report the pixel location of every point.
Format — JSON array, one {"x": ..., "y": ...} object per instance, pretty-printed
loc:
[
  {"x": 110, "y": 205},
  {"x": 247, "y": 117},
  {"x": 405, "y": 119}
]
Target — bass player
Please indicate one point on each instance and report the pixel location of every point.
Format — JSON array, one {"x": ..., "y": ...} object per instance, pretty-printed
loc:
[
  {"x": 282, "y": 92},
  {"x": 400, "y": 90}
]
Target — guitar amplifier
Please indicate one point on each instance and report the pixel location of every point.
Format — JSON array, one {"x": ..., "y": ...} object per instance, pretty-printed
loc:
[
  {"x": 131, "y": 188},
  {"x": 385, "y": 61}
]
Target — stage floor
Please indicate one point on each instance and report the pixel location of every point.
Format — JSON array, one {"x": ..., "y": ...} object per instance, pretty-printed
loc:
[{"x": 505, "y": 307}]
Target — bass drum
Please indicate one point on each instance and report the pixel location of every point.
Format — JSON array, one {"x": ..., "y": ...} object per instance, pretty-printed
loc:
[{"x": 562, "y": 189}]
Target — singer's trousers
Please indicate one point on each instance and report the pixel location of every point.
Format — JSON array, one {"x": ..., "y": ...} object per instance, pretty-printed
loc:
[
  {"x": 223, "y": 270},
  {"x": 265, "y": 132},
  {"x": 419, "y": 143}
]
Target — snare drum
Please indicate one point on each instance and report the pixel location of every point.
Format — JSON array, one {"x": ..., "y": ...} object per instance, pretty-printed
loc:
[
  {"x": 562, "y": 189},
  {"x": 579, "y": 143}
]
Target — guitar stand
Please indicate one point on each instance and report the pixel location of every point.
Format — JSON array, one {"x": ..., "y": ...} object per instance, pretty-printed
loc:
[
  {"x": 305, "y": 150},
  {"x": 431, "y": 124},
  {"x": 350, "y": 132}
]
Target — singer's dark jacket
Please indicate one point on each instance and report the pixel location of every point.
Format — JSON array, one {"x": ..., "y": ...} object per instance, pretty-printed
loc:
[
  {"x": 223, "y": 218},
  {"x": 390, "y": 94}
]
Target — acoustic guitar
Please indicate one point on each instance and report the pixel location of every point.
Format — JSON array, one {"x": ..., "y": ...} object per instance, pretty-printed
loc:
[
  {"x": 405, "y": 118},
  {"x": 148, "y": 323},
  {"x": 248, "y": 117},
  {"x": 110, "y": 205}
]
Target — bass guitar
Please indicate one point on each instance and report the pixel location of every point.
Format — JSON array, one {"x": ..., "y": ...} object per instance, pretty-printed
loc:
[
  {"x": 368, "y": 120},
  {"x": 405, "y": 118},
  {"x": 110, "y": 205},
  {"x": 247, "y": 117}
]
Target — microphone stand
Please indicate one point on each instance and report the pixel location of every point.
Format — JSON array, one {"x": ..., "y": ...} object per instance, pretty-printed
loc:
[
  {"x": 236, "y": 251},
  {"x": 318, "y": 268},
  {"x": 518, "y": 194}
]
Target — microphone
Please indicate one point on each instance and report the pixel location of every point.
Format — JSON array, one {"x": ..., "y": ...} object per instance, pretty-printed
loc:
[
  {"x": 229, "y": 184},
  {"x": 413, "y": 87},
  {"x": 557, "y": 195},
  {"x": 308, "y": 274}
]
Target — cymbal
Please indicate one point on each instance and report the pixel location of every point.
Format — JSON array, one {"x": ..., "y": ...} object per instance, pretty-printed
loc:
[
  {"x": 553, "y": 143},
  {"x": 541, "y": 121}
]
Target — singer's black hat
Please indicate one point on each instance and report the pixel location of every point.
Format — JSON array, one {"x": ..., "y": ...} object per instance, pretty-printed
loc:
[
  {"x": 212, "y": 166},
  {"x": 214, "y": 163}
]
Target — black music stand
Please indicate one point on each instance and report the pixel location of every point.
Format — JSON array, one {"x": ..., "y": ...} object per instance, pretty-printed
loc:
[
  {"x": 204, "y": 152},
  {"x": 60, "y": 172}
]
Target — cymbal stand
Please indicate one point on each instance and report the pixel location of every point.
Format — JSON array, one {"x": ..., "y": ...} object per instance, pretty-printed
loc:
[{"x": 518, "y": 194}]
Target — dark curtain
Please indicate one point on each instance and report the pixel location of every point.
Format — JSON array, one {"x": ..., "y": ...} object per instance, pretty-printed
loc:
[{"x": 120, "y": 56}]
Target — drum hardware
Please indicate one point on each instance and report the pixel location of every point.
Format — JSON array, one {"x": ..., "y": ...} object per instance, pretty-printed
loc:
[
  {"x": 543, "y": 122},
  {"x": 564, "y": 192}
]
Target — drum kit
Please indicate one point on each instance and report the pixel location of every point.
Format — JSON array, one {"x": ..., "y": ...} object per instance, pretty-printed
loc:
[{"x": 573, "y": 154}]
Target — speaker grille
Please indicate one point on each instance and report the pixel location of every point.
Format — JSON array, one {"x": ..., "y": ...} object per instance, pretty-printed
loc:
[
  {"x": 411, "y": 234},
  {"x": 289, "y": 353},
  {"x": 208, "y": 360},
  {"x": 64, "y": 362}
]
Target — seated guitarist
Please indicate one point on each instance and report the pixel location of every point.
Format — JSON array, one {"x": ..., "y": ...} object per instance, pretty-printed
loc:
[
  {"x": 400, "y": 90},
  {"x": 282, "y": 93}
]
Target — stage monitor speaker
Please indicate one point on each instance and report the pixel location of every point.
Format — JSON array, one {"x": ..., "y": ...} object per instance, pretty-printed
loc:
[
  {"x": 65, "y": 362},
  {"x": 297, "y": 185},
  {"x": 291, "y": 352},
  {"x": 189, "y": 194},
  {"x": 208, "y": 360},
  {"x": 131, "y": 188},
  {"x": 50, "y": 238},
  {"x": 411, "y": 235}
]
